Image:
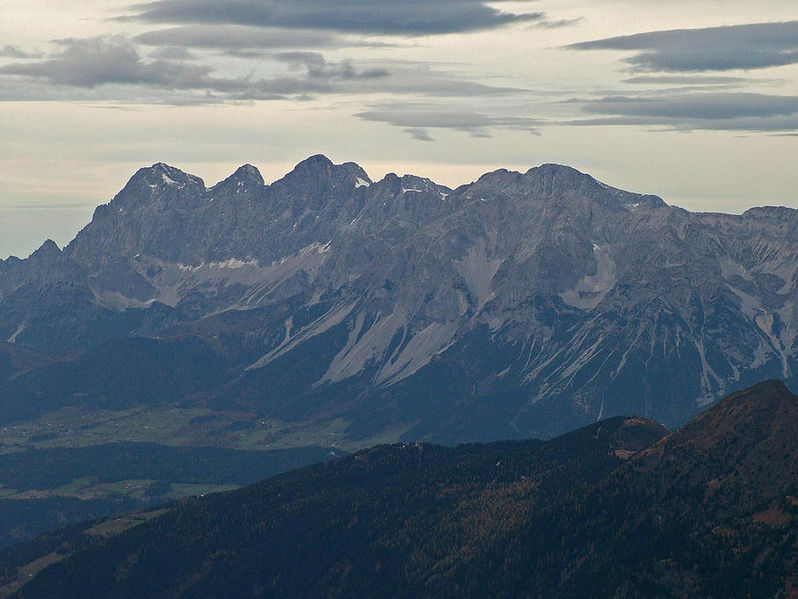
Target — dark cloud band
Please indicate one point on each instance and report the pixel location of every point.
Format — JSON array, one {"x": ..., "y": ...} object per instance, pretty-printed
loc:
[
  {"x": 707, "y": 111},
  {"x": 418, "y": 121},
  {"x": 350, "y": 16},
  {"x": 754, "y": 46},
  {"x": 236, "y": 38}
]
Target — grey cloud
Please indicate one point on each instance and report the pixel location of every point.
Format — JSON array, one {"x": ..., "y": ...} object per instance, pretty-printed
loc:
[
  {"x": 15, "y": 52},
  {"x": 317, "y": 67},
  {"x": 172, "y": 53},
  {"x": 750, "y": 124},
  {"x": 352, "y": 16},
  {"x": 114, "y": 61},
  {"x": 557, "y": 24},
  {"x": 88, "y": 63},
  {"x": 729, "y": 111},
  {"x": 236, "y": 38},
  {"x": 419, "y": 134},
  {"x": 417, "y": 121},
  {"x": 698, "y": 106},
  {"x": 420, "y": 78},
  {"x": 753, "y": 46},
  {"x": 686, "y": 80},
  {"x": 392, "y": 77}
]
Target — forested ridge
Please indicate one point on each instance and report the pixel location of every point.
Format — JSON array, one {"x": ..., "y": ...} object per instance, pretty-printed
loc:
[{"x": 616, "y": 509}]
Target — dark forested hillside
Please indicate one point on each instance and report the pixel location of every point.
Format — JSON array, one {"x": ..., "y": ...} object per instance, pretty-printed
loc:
[
  {"x": 617, "y": 509},
  {"x": 43, "y": 489}
]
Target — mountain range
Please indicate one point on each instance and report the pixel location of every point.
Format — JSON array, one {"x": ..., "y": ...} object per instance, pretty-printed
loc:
[
  {"x": 522, "y": 304},
  {"x": 621, "y": 508}
]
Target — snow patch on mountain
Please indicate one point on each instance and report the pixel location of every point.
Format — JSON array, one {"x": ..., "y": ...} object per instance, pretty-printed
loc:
[{"x": 169, "y": 181}]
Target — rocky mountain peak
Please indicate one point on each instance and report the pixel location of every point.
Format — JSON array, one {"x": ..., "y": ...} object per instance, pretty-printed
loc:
[
  {"x": 245, "y": 177},
  {"x": 558, "y": 180},
  {"x": 317, "y": 185},
  {"x": 558, "y": 173},
  {"x": 46, "y": 254},
  {"x": 556, "y": 170},
  {"x": 247, "y": 172},
  {"x": 316, "y": 174},
  {"x": 359, "y": 175},
  {"x": 392, "y": 181},
  {"x": 501, "y": 182},
  {"x": 159, "y": 182},
  {"x": 317, "y": 166},
  {"x": 500, "y": 176},
  {"x": 562, "y": 184},
  {"x": 162, "y": 174}
]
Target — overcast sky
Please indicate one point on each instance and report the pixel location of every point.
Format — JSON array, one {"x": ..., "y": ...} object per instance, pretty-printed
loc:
[{"x": 692, "y": 100}]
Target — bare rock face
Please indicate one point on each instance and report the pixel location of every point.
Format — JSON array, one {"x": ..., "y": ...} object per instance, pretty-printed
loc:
[{"x": 522, "y": 303}]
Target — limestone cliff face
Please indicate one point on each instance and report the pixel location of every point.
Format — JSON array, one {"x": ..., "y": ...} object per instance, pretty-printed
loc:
[{"x": 554, "y": 297}]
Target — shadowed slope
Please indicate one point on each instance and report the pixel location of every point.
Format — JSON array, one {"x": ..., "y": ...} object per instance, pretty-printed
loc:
[{"x": 707, "y": 511}]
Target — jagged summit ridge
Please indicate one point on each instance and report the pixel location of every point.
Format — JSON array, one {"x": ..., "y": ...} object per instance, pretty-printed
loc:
[
  {"x": 526, "y": 285},
  {"x": 245, "y": 175},
  {"x": 160, "y": 174},
  {"x": 48, "y": 251},
  {"x": 321, "y": 174}
]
